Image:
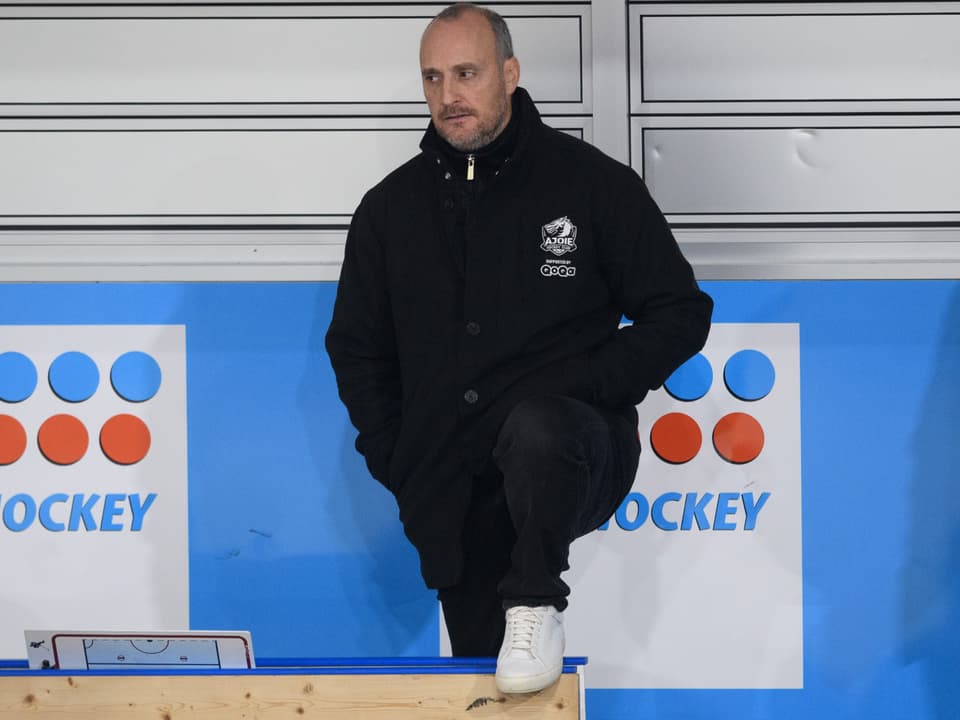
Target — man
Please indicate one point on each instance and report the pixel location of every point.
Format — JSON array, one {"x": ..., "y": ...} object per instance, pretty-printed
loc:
[{"x": 476, "y": 345}]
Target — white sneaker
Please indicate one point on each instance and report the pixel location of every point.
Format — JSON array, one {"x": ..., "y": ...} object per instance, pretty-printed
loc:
[{"x": 531, "y": 657}]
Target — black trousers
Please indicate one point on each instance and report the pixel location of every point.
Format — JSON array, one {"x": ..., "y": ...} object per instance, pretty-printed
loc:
[{"x": 559, "y": 470}]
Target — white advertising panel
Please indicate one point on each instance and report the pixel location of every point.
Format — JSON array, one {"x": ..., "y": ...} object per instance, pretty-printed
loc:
[
  {"x": 697, "y": 580},
  {"x": 93, "y": 479}
]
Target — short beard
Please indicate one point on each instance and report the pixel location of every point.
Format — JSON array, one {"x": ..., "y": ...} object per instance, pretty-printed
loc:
[{"x": 484, "y": 134}]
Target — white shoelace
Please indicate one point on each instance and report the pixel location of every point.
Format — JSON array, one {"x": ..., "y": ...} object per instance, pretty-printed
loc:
[{"x": 522, "y": 624}]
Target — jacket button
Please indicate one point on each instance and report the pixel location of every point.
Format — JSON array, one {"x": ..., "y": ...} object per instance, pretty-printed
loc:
[
  {"x": 473, "y": 328},
  {"x": 447, "y": 176},
  {"x": 471, "y": 396},
  {"x": 448, "y": 203}
]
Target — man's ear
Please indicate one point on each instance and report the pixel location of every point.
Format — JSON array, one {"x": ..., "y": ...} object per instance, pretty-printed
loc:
[{"x": 511, "y": 74}]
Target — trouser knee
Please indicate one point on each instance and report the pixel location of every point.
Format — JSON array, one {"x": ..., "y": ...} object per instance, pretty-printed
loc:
[{"x": 539, "y": 429}]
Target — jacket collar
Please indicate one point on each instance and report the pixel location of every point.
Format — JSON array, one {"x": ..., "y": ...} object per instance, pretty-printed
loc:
[{"x": 510, "y": 143}]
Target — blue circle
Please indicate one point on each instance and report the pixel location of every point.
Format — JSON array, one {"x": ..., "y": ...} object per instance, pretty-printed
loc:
[
  {"x": 74, "y": 376},
  {"x": 18, "y": 377},
  {"x": 135, "y": 376},
  {"x": 692, "y": 380},
  {"x": 749, "y": 375}
]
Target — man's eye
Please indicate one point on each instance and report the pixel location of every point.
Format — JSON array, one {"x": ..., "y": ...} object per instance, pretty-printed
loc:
[
  {"x": 467, "y": 73},
  {"x": 430, "y": 78}
]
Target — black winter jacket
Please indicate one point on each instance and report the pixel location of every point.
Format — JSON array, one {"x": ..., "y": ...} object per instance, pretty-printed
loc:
[{"x": 434, "y": 341}]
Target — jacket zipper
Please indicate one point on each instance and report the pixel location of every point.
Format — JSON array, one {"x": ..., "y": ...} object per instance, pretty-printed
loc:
[{"x": 471, "y": 159}]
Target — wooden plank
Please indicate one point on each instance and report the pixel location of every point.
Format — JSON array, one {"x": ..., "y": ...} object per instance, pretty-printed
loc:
[{"x": 239, "y": 697}]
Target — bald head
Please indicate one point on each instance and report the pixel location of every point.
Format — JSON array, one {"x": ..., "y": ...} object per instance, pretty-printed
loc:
[
  {"x": 501, "y": 33},
  {"x": 466, "y": 82}
]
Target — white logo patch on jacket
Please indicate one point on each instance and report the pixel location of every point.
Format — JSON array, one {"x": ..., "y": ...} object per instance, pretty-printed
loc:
[{"x": 559, "y": 236}]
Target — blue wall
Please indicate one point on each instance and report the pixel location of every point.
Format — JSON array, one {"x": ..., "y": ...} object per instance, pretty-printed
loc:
[{"x": 291, "y": 539}]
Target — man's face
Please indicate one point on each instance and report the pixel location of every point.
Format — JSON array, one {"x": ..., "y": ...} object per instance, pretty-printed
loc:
[{"x": 467, "y": 90}]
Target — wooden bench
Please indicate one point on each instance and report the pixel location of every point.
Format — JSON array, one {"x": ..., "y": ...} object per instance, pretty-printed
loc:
[{"x": 326, "y": 689}]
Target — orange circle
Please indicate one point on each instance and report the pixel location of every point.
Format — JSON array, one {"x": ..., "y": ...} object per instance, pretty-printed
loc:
[
  {"x": 738, "y": 438},
  {"x": 676, "y": 438},
  {"x": 125, "y": 439},
  {"x": 63, "y": 439},
  {"x": 13, "y": 440}
]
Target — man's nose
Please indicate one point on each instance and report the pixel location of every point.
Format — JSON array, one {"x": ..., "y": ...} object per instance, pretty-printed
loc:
[{"x": 449, "y": 93}]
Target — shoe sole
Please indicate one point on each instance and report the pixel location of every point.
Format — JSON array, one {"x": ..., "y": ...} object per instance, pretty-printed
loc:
[{"x": 528, "y": 683}]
